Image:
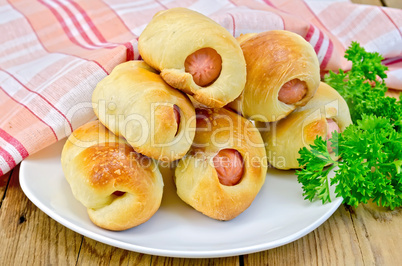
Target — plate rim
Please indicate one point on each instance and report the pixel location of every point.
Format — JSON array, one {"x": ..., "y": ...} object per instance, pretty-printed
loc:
[{"x": 225, "y": 252}]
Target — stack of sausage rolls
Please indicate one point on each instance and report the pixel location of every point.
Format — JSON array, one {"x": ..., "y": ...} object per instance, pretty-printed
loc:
[{"x": 194, "y": 101}]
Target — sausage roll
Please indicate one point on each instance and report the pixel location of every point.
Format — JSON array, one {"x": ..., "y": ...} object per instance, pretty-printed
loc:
[
  {"x": 225, "y": 167},
  {"x": 325, "y": 113},
  {"x": 282, "y": 73},
  {"x": 194, "y": 54},
  {"x": 155, "y": 119},
  {"x": 119, "y": 187}
]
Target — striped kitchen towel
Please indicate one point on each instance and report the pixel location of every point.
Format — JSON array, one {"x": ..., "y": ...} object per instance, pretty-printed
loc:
[{"x": 53, "y": 52}]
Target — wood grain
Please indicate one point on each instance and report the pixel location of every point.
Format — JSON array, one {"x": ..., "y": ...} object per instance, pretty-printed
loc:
[
  {"x": 379, "y": 233},
  {"x": 368, "y": 2},
  {"x": 393, "y": 93},
  {"x": 3, "y": 185},
  {"x": 229, "y": 261},
  {"x": 367, "y": 235},
  {"x": 317, "y": 248},
  {"x": 96, "y": 253},
  {"x": 29, "y": 236},
  {"x": 387, "y": 3},
  {"x": 393, "y": 3}
]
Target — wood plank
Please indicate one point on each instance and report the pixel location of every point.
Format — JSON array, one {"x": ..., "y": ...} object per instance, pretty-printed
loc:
[
  {"x": 393, "y": 3},
  {"x": 317, "y": 248},
  {"x": 367, "y": 235},
  {"x": 29, "y": 236},
  {"x": 379, "y": 233},
  {"x": 96, "y": 253},
  {"x": 3, "y": 184},
  {"x": 229, "y": 261},
  {"x": 368, "y": 2},
  {"x": 388, "y": 3},
  {"x": 393, "y": 93}
]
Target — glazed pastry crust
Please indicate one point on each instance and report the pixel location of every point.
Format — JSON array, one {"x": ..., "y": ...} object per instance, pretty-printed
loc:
[
  {"x": 286, "y": 137},
  {"x": 196, "y": 178},
  {"x": 174, "y": 34},
  {"x": 135, "y": 102},
  {"x": 97, "y": 163},
  {"x": 274, "y": 58}
]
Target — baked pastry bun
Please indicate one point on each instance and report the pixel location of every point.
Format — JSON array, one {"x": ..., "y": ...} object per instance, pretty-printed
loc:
[
  {"x": 194, "y": 54},
  {"x": 283, "y": 73},
  {"x": 155, "y": 119},
  {"x": 226, "y": 166},
  {"x": 119, "y": 187},
  {"x": 326, "y": 112}
]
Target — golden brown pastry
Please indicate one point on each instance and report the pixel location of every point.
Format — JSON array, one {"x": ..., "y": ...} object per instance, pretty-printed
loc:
[
  {"x": 119, "y": 187},
  {"x": 326, "y": 112},
  {"x": 226, "y": 166},
  {"x": 194, "y": 54},
  {"x": 283, "y": 73},
  {"x": 155, "y": 119}
]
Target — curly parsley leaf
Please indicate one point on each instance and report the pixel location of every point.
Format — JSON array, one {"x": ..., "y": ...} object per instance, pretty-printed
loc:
[
  {"x": 371, "y": 148},
  {"x": 314, "y": 175},
  {"x": 363, "y": 87},
  {"x": 368, "y": 170}
]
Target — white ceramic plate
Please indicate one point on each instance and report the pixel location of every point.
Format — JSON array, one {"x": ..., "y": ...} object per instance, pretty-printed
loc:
[{"x": 278, "y": 215}]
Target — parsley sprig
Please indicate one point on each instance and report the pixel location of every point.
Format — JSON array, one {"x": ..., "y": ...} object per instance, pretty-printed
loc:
[
  {"x": 371, "y": 148},
  {"x": 363, "y": 87}
]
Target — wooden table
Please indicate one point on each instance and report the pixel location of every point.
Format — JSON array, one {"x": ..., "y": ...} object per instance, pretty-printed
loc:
[{"x": 367, "y": 235}]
